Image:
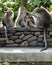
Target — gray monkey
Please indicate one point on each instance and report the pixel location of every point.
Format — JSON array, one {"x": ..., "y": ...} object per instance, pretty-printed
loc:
[
  {"x": 7, "y": 21},
  {"x": 20, "y": 20},
  {"x": 43, "y": 19}
]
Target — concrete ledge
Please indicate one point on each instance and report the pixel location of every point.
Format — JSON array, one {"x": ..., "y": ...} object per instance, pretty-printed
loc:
[{"x": 25, "y": 55}]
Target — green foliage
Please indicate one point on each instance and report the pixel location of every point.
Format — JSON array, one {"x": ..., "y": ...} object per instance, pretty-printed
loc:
[
  {"x": 50, "y": 8},
  {"x": 37, "y": 3},
  {"x": 15, "y": 4}
]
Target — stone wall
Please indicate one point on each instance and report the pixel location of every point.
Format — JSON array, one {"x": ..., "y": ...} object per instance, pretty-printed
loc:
[{"x": 25, "y": 37}]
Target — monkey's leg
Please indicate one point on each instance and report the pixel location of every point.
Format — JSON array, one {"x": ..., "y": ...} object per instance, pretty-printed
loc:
[
  {"x": 25, "y": 23},
  {"x": 45, "y": 40},
  {"x": 6, "y": 34}
]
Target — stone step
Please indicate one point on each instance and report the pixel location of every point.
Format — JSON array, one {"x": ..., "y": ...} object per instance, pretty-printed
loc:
[{"x": 25, "y": 54}]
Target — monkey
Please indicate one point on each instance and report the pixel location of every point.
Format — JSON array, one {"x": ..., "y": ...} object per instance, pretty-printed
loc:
[
  {"x": 29, "y": 20},
  {"x": 7, "y": 21},
  {"x": 20, "y": 20},
  {"x": 43, "y": 18}
]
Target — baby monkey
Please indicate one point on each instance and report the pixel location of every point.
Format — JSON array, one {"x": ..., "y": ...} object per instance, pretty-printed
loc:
[
  {"x": 7, "y": 21},
  {"x": 43, "y": 19},
  {"x": 29, "y": 20}
]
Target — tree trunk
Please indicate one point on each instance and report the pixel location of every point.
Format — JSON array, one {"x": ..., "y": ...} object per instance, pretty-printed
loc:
[{"x": 24, "y": 2}]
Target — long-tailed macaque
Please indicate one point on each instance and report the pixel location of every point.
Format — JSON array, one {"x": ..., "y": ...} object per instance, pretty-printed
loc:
[
  {"x": 7, "y": 21},
  {"x": 29, "y": 20},
  {"x": 8, "y": 18},
  {"x": 20, "y": 20},
  {"x": 43, "y": 19}
]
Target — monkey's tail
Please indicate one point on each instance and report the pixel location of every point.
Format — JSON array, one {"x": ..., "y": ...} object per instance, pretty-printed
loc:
[
  {"x": 45, "y": 39},
  {"x": 6, "y": 34}
]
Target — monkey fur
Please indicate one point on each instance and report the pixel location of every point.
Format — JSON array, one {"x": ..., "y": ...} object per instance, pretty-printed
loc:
[
  {"x": 29, "y": 20},
  {"x": 8, "y": 18},
  {"x": 51, "y": 15},
  {"x": 7, "y": 22},
  {"x": 43, "y": 19},
  {"x": 20, "y": 20}
]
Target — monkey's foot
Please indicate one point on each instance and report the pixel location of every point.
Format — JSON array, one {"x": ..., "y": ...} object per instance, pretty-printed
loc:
[{"x": 44, "y": 49}]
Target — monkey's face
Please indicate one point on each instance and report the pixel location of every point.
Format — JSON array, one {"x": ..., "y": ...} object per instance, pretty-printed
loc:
[
  {"x": 9, "y": 13},
  {"x": 22, "y": 10},
  {"x": 28, "y": 17}
]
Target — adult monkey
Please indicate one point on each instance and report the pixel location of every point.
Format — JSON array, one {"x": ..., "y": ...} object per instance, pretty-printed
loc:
[
  {"x": 20, "y": 20},
  {"x": 43, "y": 19},
  {"x": 7, "y": 21}
]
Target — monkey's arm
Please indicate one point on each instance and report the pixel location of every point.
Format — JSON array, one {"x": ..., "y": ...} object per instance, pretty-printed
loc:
[
  {"x": 17, "y": 22},
  {"x": 33, "y": 22},
  {"x": 5, "y": 22}
]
